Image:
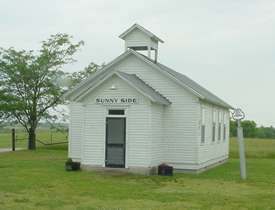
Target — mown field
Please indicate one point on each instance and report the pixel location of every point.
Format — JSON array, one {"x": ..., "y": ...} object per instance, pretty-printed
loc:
[
  {"x": 37, "y": 180},
  {"x": 45, "y": 136}
]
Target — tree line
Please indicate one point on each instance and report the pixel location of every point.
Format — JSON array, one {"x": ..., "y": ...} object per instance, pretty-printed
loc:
[{"x": 251, "y": 130}]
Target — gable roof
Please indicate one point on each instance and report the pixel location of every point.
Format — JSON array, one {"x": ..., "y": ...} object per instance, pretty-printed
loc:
[
  {"x": 135, "y": 82},
  {"x": 144, "y": 88},
  {"x": 98, "y": 75},
  {"x": 144, "y": 30},
  {"x": 181, "y": 79},
  {"x": 208, "y": 96}
]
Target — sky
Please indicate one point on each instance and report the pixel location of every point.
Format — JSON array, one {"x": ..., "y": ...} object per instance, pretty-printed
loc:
[{"x": 226, "y": 46}]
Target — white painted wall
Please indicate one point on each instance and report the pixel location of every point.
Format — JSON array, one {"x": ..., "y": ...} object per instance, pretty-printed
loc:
[
  {"x": 75, "y": 130},
  {"x": 212, "y": 151},
  {"x": 139, "y": 38},
  {"x": 93, "y": 141},
  {"x": 180, "y": 119},
  {"x": 137, "y": 125},
  {"x": 155, "y": 134}
]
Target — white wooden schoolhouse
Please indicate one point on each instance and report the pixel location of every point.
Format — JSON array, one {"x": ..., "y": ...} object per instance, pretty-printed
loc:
[{"x": 136, "y": 113}]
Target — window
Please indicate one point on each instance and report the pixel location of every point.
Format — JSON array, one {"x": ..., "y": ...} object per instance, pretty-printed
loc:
[
  {"x": 214, "y": 132},
  {"x": 203, "y": 126},
  {"x": 224, "y": 126},
  {"x": 116, "y": 112},
  {"x": 220, "y": 127},
  {"x": 224, "y": 132},
  {"x": 220, "y": 131},
  {"x": 202, "y": 134},
  {"x": 214, "y": 126}
]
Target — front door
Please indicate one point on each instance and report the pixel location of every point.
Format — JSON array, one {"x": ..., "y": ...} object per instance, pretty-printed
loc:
[{"x": 115, "y": 142}]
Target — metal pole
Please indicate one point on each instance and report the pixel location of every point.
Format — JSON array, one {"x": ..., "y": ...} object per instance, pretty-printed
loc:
[
  {"x": 13, "y": 139},
  {"x": 241, "y": 150},
  {"x": 51, "y": 137}
]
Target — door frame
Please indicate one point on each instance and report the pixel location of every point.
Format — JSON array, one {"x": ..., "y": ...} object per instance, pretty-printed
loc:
[{"x": 124, "y": 142}]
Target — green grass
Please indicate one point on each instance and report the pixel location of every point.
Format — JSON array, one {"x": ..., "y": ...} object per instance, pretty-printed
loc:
[
  {"x": 37, "y": 180},
  {"x": 255, "y": 148},
  {"x": 22, "y": 142}
]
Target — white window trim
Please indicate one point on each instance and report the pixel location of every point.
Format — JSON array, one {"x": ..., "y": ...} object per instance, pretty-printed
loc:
[
  {"x": 203, "y": 119},
  {"x": 214, "y": 121},
  {"x": 225, "y": 129}
]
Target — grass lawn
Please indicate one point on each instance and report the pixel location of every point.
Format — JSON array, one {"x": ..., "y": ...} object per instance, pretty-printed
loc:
[
  {"x": 22, "y": 142},
  {"x": 37, "y": 180}
]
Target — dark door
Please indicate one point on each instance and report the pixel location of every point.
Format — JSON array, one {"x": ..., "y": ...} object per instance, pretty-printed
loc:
[{"x": 115, "y": 142}]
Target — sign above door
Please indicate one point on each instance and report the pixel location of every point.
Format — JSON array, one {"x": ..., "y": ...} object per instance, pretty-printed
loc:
[{"x": 116, "y": 100}]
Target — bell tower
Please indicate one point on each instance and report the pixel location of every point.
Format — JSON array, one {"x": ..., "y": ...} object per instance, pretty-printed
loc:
[{"x": 140, "y": 39}]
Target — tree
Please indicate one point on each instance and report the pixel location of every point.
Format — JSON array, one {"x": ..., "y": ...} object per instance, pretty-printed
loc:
[
  {"x": 77, "y": 77},
  {"x": 266, "y": 132},
  {"x": 29, "y": 82},
  {"x": 249, "y": 128},
  {"x": 233, "y": 128}
]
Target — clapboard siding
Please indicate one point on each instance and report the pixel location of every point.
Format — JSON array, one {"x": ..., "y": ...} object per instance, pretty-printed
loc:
[
  {"x": 169, "y": 133},
  {"x": 136, "y": 38},
  {"x": 93, "y": 150},
  {"x": 138, "y": 136},
  {"x": 137, "y": 123},
  {"x": 75, "y": 130},
  {"x": 156, "y": 134},
  {"x": 219, "y": 149},
  {"x": 104, "y": 90},
  {"x": 179, "y": 133}
]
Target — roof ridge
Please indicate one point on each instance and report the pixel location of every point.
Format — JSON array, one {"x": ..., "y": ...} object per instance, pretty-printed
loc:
[
  {"x": 95, "y": 75},
  {"x": 194, "y": 85},
  {"x": 180, "y": 78},
  {"x": 146, "y": 31}
]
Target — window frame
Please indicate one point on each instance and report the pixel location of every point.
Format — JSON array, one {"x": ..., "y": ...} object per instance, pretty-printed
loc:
[
  {"x": 224, "y": 126},
  {"x": 219, "y": 126},
  {"x": 203, "y": 126},
  {"x": 213, "y": 132},
  {"x": 214, "y": 125},
  {"x": 219, "y": 132},
  {"x": 116, "y": 110}
]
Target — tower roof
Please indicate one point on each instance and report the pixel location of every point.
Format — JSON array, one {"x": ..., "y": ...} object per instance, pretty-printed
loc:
[{"x": 144, "y": 30}]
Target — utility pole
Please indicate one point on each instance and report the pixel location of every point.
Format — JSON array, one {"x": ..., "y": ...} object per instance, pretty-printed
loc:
[
  {"x": 239, "y": 115},
  {"x": 13, "y": 139}
]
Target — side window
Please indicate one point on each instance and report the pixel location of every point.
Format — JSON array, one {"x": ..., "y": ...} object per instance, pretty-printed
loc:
[
  {"x": 220, "y": 126},
  {"x": 203, "y": 112},
  {"x": 224, "y": 126},
  {"x": 214, "y": 126}
]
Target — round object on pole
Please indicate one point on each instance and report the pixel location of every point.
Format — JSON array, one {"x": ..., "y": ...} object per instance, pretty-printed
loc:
[{"x": 238, "y": 114}]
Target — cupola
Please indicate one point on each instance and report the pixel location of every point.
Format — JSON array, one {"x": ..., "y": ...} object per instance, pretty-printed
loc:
[{"x": 140, "y": 39}]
